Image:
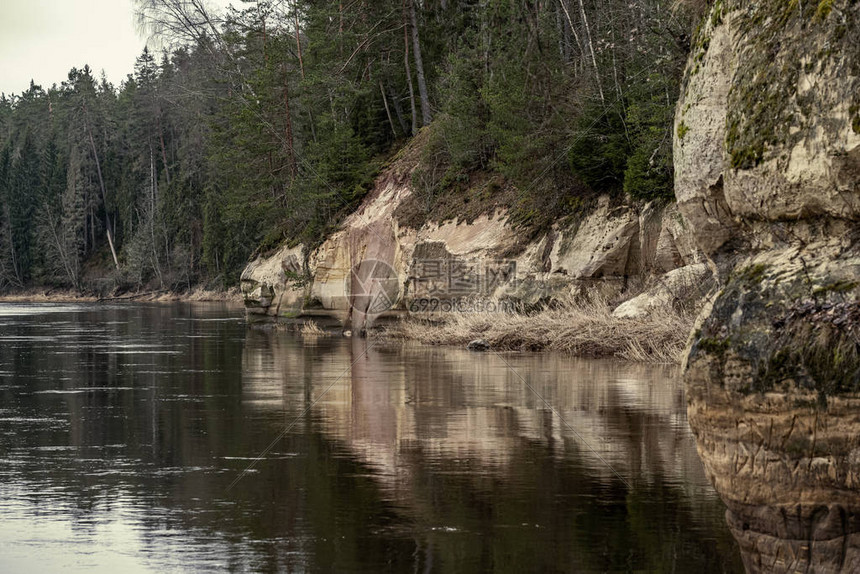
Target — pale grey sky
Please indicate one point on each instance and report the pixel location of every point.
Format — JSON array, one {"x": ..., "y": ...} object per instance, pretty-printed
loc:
[{"x": 44, "y": 39}]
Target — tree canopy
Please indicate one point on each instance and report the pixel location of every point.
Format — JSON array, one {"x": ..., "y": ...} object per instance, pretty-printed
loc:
[{"x": 268, "y": 123}]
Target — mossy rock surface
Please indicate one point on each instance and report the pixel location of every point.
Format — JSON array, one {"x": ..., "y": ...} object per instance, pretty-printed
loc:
[
  {"x": 789, "y": 327},
  {"x": 781, "y": 42}
]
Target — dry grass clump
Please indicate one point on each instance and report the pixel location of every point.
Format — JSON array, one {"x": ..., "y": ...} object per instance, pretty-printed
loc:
[
  {"x": 311, "y": 329},
  {"x": 585, "y": 329}
]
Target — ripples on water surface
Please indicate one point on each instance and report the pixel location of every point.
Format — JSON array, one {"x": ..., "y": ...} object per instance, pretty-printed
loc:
[{"x": 122, "y": 427}]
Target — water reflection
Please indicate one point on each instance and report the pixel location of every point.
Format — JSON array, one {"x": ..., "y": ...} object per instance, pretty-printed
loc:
[{"x": 122, "y": 427}]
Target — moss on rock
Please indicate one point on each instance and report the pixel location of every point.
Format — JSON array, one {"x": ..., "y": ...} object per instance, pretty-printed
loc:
[
  {"x": 764, "y": 110},
  {"x": 792, "y": 338}
]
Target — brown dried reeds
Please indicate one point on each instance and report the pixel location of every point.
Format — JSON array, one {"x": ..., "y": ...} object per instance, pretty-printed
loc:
[{"x": 585, "y": 329}]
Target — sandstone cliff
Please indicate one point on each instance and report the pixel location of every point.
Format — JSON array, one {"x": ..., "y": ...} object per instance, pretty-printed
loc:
[
  {"x": 767, "y": 181},
  {"x": 767, "y": 160},
  {"x": 610, "y": 248}
]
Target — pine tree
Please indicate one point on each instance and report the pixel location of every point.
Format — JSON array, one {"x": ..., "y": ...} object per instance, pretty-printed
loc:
[
  {"x": 8, "y": 276},
  {"x": 268, "y": 125},
  {"x": 23, "y": 185}
]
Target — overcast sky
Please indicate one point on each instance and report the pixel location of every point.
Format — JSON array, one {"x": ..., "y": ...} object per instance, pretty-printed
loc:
[{"x": 43, "y": 39}]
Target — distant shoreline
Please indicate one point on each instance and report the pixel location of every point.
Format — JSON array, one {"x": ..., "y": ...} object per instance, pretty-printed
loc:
[{"x": 161, "y": 296}]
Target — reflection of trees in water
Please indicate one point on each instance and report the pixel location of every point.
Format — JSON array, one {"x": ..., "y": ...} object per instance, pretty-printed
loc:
[{"x": 426, "y": 459}]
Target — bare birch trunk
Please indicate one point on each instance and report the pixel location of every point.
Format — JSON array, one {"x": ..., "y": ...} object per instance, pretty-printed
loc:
[
  {"x": 153, "y": 202},
  {"x": 163, "y": 149},
  {"x": 591, "y": 48},
  {"x": 298, "y": 40}
]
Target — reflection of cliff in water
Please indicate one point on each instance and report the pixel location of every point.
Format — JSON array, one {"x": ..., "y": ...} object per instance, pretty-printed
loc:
[
  {"x": 121, "y": 429},
  {"x": 457, "y": 444}
]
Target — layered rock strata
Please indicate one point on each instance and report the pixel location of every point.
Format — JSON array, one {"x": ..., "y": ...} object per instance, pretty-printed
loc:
[
  {"x": 767, "y": 160},
  {"x": 609, "y": 249}
]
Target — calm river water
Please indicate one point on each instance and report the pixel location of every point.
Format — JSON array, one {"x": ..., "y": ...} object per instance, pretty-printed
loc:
[{"x": 123, "y": 427}]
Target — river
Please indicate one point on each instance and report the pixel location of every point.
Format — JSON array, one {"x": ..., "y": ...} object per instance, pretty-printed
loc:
[{"x": 156, "y": 437}]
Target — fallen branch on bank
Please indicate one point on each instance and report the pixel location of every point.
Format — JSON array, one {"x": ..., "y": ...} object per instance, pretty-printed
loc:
[{"x": 131, "y": 297}]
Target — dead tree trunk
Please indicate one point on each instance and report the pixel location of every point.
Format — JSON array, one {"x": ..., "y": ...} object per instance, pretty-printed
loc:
[
  {"x": 288, "y": 129},
  {"x": 419, "y": 66},
  {"x": 409, "y": 70},
  {"x": 387, "y": 110},
  {"x": 101, "y": 186}
]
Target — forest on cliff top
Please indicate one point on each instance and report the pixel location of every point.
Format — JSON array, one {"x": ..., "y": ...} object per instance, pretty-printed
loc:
[{"x": 268, "y": 123}]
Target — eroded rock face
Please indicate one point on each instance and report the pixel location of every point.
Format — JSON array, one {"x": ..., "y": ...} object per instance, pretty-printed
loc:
[
  {"x": 263, "y": 276},
  {"x": 601, "y": 251},
  {"x": 700, "y": 128},
  {"x": 772, "y": 380},
  {"x": 767, "y": 142},
  {"x": 691, "y": 282},
  {"x": 604, "y": 244}
]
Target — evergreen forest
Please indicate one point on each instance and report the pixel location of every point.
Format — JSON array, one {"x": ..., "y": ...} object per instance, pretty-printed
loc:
[{"x": 267, "y": 123}]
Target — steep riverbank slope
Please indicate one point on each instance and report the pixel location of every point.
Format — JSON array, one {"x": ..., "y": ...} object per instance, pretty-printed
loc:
[{"x": 767, "y": 174}]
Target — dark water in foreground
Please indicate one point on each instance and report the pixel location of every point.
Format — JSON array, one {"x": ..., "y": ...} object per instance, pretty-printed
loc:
[{"x": 122, "y": 427}]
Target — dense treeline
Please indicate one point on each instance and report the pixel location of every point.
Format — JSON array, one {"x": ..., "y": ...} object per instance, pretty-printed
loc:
[{"x": 268, "y": 124}]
